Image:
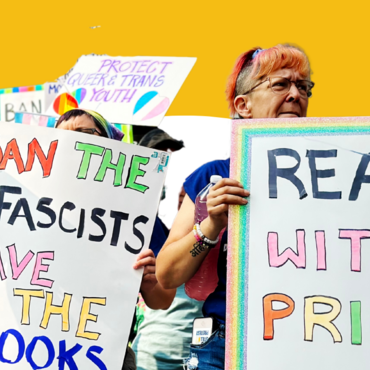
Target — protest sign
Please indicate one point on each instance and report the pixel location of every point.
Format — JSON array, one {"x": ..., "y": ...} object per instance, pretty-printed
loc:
[
  {"x": 51, "y": 90},
  {"x": 75, "y": 212},
  {"x": 21, "y": 99},
  {"x": 298, "y": 255},
  {"x": 34, "y": 119},
  {"x": 128, "y": 90},
  {"x": 43, "y": 120}
]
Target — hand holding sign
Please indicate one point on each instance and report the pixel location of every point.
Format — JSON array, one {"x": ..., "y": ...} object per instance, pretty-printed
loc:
[
  {"x": 226, "y": 192},
  {"x": 147, "y": 261}
]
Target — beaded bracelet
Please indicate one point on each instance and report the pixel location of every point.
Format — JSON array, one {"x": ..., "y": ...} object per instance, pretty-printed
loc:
[
  {"x": 210, "y": 243},
  {"x": 197, "y": 237}
]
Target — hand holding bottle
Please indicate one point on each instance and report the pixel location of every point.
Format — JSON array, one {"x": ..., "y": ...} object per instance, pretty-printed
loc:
[
  {"x": 214, "y": 198},
  {"x": 224, "y": 193}
]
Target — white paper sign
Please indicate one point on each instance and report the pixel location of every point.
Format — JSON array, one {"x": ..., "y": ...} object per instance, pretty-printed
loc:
[
  {"x": 31, "y": 101},
  {"x": 129, "y": 90},
  {"x": 51, "y": 90},
  {"x": 308, "y": 252},
  {"x": 75, "y": 211}
]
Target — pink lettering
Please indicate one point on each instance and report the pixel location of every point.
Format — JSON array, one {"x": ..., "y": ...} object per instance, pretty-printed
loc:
[
  {"x": 39, "y": 267},
  {"x": 321, "y": 250},
  {"x": 18, "y": 269},
  {"x": 355, "y": 236},
  {"x": 276, "y": 260}
]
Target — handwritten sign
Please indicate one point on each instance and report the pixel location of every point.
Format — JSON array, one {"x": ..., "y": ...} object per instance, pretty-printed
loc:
[
  {"x": 50, "y": 121},
  {"x": 13, "y": 90},
  {"x": 35, "y": 119},
  {"x": 51, "y": 90},
  {"x": 128, "y": 90},
  {"x": 75, "y": 211},
  {"x": 20, "y": 101},
  {"x": 299, "y": 255}
]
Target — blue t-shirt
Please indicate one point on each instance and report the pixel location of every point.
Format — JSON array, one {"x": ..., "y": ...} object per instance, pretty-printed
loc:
[
  {"x": 159, "y": 236},
  {"x": 215, "y": 304}
]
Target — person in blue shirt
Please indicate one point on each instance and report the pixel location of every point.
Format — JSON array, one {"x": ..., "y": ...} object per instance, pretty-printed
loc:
[{"x": 270, "y": 83}]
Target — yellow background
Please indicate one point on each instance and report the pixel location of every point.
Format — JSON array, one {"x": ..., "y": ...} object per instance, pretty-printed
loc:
[{"x": 41, "y": 40}]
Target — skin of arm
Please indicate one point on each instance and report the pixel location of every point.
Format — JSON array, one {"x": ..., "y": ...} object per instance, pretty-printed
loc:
[
  {"x": 154, "y": 295},
  {"x": 175, "y": 263}
]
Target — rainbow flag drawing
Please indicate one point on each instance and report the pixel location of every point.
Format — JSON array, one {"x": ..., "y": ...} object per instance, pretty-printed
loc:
[
  {"x": 12, "y": 90},
  {"x": 243, "y": 134}
]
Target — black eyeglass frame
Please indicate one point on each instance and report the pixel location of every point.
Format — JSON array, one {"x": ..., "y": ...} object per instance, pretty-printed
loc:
[
  {"x": 88, "y": 130},
  {"x": 309, "y": 92}
]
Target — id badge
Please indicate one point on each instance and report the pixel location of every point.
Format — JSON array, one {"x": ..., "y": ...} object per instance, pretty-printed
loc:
[{"x": 202, "y": 329}]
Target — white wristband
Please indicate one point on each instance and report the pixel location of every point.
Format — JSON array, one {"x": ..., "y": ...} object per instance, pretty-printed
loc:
[{"x": 211, "y": 243}]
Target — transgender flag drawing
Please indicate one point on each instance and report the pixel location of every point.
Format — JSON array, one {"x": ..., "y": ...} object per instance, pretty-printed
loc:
[{"x": 150, "y": 105}]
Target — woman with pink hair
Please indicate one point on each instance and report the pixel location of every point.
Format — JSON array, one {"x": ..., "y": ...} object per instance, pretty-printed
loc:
[{"x": 265, "y": 83}]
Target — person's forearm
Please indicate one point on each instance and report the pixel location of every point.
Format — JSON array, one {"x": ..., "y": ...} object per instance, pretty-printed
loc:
[
  {"x": 159, "y": 298},
  {"x": 178, "y": 262}
]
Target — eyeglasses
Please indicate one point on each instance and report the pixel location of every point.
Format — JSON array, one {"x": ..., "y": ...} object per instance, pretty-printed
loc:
[
  {"x": 281, "y": 85},
  {"x": 90, "y": 131}
]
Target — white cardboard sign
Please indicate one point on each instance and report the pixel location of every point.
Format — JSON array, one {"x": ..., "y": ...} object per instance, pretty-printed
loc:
[
  {"x": 51, "y": 91},
  {"x": 128, "y": 90},
  {"x": 30, "y": 101},
  {"x": 299, "y": 255},
  {"x": 75, "y": 211}
]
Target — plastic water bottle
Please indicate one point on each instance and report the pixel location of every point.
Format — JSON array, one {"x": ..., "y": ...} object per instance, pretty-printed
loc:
[{"x": 205, "y": 280}]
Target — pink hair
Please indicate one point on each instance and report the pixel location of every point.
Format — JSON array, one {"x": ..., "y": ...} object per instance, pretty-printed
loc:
[
  {"x": 241, "y": 62},
  {"x": 264, "y": 63}
]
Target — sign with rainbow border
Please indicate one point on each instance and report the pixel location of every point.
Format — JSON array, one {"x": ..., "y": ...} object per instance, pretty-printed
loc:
[
  {"x": 26, "y": 98},
  {"x": 299, "y": 252},
  {"x": 43, "y": 120}
]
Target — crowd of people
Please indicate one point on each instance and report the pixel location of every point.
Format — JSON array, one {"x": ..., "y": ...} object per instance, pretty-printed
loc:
[{"x": 264, "y": 83}]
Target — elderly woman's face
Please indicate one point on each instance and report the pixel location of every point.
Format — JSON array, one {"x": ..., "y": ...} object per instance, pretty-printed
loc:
[
  {"x": 264, "y": 103},
  {"x": 80, "y": 123}
]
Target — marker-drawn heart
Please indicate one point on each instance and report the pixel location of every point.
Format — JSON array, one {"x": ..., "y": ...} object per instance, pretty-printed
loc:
[
  {"x": 63, "y": 103},
  {"x": 79, "y": 95},
  {"x": 150, "y": 105}
]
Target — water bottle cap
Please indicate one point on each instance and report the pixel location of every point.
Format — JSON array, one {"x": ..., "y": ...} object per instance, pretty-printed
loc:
[{"x": 215, "y": 179}]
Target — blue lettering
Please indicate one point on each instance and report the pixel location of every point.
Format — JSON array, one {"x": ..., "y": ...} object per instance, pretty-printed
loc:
[
  {"x": 67, "y": 356},
  {"x": 21, "y": 346},
  {"x": 49, "y": 346},
  {"x": 97, "y": 361}
]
